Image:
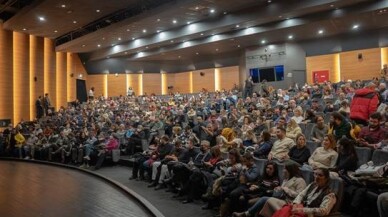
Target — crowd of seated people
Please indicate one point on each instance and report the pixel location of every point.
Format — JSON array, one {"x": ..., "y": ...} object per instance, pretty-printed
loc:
[{"x": 207, "y": 145}]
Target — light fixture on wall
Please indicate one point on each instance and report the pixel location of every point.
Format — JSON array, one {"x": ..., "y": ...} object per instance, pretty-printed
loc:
[
  {"x": 80, "y": 75},
  {"x": 116, "y": 74}
]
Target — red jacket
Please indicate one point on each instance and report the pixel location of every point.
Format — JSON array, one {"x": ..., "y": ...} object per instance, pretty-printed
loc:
[{"x": 364, "y": 103}]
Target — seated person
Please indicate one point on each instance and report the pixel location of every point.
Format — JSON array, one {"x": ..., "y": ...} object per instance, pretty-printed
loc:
[
  {"x": 292, "y": 129},
  {"x": 292, "y": 185},
  {"x": 299, "y": 153},
  {"x": 372, "y": 134},
  {"x": 281, "y": 147},
  {"x": 347, "y": 157},
  {"x": 317, "y": 199},
  {"x": 325, "y": 156},
  {"x": 298, "y": 115},
  {"x": 264, "y": 147},
  {"x": 320, "y": 129}
]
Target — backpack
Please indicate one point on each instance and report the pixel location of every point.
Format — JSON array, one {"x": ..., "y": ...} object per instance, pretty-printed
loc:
[{"x": 355, "y": 130}]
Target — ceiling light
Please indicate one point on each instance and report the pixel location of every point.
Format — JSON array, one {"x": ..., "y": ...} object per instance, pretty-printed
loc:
[
  {"x": 55, "y": 31},
  {"x": 196, "y": 8},
  {"x": 225, "y": 12},
  {"x": 119, "y": 39},
  {"x": 128, "y": 30},
  {"x": 158, "y": 20},
  {"x": 280, "y": 16},
  {"x": 269, "y": 1},
  {"x": 98, "y": 11},
  {"x": 125, "y": 52},
  {"x": 188, "y": 23},
  {"x": 41, "y": 18},
  {"x": 320, "y": 31},
  {"x": 147, "y": 47},
  {"x": 133, "y": 38},
  {"x": 172, "y": 41},
  {"x": 174, "y": 21},
  {"x": 216, "y": 49},
  {"x": 24, "y": 29},
  {"x": 99, "y": 45},
  {"x": 112, "y": 45},
  {"x": 103, "y": 38},
  {"x": 238, "y": 46},
  {"x": 237, "y": 26},
  {"x": 201, "y": 33},
  {"x": 212, "y": 11},
  {"x": 144, "y": 30},
  {"x": 74, "y": 21},
  {"x": 83, "y": 45},
  {"x": 290, "y": 37},
  {"x": 63, "y": 6},
  {"x": 158, "y": 31},
  {"x": 263, "y": 41},
  {"x": 355, "y": 26},
  {"x": 331, "y": 6},
  {"x": 197, "y": 53},
  {"x": 179, "y": 56}
]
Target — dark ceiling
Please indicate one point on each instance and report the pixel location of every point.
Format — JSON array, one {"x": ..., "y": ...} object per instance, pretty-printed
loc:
[{"x": 154, "y": 32}]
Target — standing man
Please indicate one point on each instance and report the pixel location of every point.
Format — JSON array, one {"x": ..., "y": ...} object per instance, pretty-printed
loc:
[
  {"x": 46, "y": 103},
  {"x": 39, "y": 108},
  {"x": 91, "y": 93},
  {"x": 364, "y": 103},
  {"x": 248, "y": 87}
]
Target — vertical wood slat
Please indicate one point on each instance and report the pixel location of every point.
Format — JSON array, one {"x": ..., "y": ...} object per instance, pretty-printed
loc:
[
  {"x": 61, "y": 79},
  {"x": 152, "y": 83},
  {"x": 228, "y": 77},
  {"x": 206, "y": 81},
  {"x": 117, "y": 85},
  {"x": 354, "y": 68},
  {"x": 36, "y": 71},
  {"x": 21, "y": 79},
  {"x": 50, "y": 70},
  {"x": 6, "y": 74}
]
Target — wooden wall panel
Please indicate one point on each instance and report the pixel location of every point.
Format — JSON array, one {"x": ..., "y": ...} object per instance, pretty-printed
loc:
[
  {"x": 21, "y": 79},
  {"x": 134, "y": 81},
  {"x": 384, "y": 55},
  {"x": 61, "y": 79},
  {"x": 98, "y": 82},
  {"x": 36, "y": 71},
  {"x": 6, "y": 74},
  {"x": 182, "y": 82},
  {"x": 117, "y": 85},
  {"x": 49, "y": 70},
  {"x": 152, "y": 83},
  {"x": 72, "y": 74},
  {"x": 206, "y": 81},
  {"x": 170, "y": 81},
  {"x": 228, "y": 77},
  {"x": 366, "y": 68},
  {"x": 322, "y": 62}
]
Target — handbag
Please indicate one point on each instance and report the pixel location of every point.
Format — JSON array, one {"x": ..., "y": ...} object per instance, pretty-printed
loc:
[
  {"x": 279, "y": 194},
  {"x": 286, "y": 211}
]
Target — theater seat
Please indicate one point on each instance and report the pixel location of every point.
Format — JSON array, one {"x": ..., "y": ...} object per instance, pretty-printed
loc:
[
  {"x": 312, "y": 146},
  {"x": 364, "y": 155},
  {"x": 337, "y": 186},
  {"x": 260, "y": 163},
  {"x": 380, "y": 157}
]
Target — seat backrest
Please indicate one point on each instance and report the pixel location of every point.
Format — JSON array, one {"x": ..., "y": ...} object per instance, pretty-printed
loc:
[
  {"x": 327, "y": 117},
  {"x": 260, "y": 163},
  {"x": 364, "y": 155},
  {"x": 312, "y": 146},
  {"x": 280, "y": 167},
  {"x": 303, "y": 127},
  {"x": 309, "y": 129},
  {"x": 308, "y": 175},
  {"x": 337, "y": 186},
  {"x": 380, "y": 157}
]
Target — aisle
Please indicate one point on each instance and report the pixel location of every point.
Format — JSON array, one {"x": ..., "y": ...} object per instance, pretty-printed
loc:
[{"x": 160, "y": 199}]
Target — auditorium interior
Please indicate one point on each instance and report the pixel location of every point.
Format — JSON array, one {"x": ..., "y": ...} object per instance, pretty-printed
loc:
[{"x": 195, "y": 108}]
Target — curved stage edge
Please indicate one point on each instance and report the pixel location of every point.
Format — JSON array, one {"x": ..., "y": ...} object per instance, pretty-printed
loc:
[{"x": 147, "y": 208}]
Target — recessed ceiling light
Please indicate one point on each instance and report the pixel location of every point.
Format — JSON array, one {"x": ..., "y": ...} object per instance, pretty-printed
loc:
[
  {"x": 355, "y": 26},
  {"x": 188, "y": 23},
  {"x": 133, "y": 38},
  {"x": 55, "y": 31},
  {"x": 280, "y": 16},
  {"x": 237, "y": 26},
  {"x": 24, "y": 29},
  {"x": 212, "y": 11},
  {"x": 197, "y": 53},
  {"x": 290, "y": 37},
  {"x": 179, "y": 56},
  {"x": 216, "y": 49},
  {"x": 147, "y": 47},
  {"x": 83, "y": 45},
  {"x": 144, "y": 30},
  {"x": 63, "y": 6},
  {"x": 41, "y": 18},
  {"x": 158, "y": 31},
  {"x": 197, "y": 8},
  {"x": 74, "y": 21},
  {"x": 128, "y": 30},
  {"x": 225, "y": 12},
  {"x": 201, "y": 33},
  {"x": 331, "y": 6},
  {"x": 238, "y": 46},
  {"x": 320, "y": 31},
  {"x": 158, "y": 20},
  {"x": 263, "y": 41},
  {"x": 103, "y": 38},
  {"x": 126, "y": 52},
  {"x": 98, "y": 11},
  {"x": 174, "y": 21},
  {"x": 269, "y": 1},
  {"x": 119, "y": 39},
  {"x": 99, "y": 45},
  {"x": 172, "y": 41}
]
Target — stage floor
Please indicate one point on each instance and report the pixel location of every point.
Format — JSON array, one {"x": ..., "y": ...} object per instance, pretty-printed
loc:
[{"x": 37, "y": 190}]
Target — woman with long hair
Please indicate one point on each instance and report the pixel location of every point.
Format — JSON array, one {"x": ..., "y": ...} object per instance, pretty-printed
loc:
[
  {"x": 299, "y": 153},
  {"x": 325, "y": 156}
]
